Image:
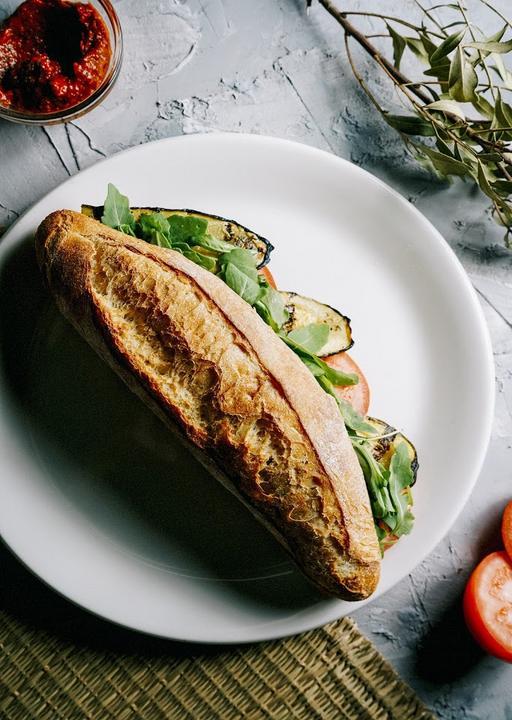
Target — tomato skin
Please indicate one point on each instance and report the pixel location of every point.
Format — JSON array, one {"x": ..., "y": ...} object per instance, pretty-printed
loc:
[
  {"x": 268, "y": 277},
  {"x": 478, "y": 598},
  {"x": 506, "y": 529},
  {"x": 357, "y": 395}
]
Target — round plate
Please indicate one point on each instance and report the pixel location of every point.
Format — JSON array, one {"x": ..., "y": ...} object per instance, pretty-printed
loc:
[{"x": 97, "y": 498}]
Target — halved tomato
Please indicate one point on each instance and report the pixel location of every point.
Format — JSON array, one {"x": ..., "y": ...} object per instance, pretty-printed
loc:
[
  {"x": 506, "y": 529},
  {"x": 488, "y": 605},
  {"x": 357, "y": 395},
  {"x": 268, "y": 277}
]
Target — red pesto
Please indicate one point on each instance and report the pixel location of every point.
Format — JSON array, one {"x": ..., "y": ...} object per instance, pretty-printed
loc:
[{"x": 53, "y": 55}]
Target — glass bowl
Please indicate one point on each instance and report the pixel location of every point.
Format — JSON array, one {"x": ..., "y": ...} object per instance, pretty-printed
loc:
[{"x": 111, "y": 20}]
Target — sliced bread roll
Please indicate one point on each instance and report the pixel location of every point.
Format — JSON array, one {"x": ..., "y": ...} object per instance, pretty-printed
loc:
[{"x": 203, "y": 359}]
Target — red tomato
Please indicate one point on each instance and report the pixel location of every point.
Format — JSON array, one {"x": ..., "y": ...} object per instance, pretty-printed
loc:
[
  {"x": 268, "y": 277},
  {"x": 488, "y": 605},
  {"x": 506, "y": 529},
  {"x": 357, "y": 395}
]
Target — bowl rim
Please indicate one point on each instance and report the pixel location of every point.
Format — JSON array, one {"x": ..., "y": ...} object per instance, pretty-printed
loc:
[{"x": 93, "y": 100}]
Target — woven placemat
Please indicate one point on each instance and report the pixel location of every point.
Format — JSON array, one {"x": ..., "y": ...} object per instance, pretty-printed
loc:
[{"x": 333, "y": 672}]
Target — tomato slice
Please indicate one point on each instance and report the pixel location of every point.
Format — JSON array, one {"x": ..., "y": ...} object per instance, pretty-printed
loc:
[
  {"x": 506, "y": 529},
  {"x": 357, "y": 395},
  {"x": 488, "y": 605},
  {"x": 268, "y": 277}
]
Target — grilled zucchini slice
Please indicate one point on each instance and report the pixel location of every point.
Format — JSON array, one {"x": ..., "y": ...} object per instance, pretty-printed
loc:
[
  {"x": 219, "y": 227},
  {"x": 304, "y": 311},
  {"x": 382, "y": 450}
]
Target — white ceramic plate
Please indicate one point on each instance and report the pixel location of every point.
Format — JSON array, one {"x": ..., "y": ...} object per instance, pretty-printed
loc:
[{"x": 99, "y": 501}]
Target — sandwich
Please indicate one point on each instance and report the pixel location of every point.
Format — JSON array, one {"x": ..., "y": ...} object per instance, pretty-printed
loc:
[{"x": 256, "y": 382}]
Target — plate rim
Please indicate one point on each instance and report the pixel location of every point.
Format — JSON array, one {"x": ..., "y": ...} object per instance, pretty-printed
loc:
[{"x": 484, "y": 340}]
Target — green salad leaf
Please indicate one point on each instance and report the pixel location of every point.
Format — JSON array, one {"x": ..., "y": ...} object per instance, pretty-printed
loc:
[
  {"x": 116, "y": 211},
  {"x": 322, "y": 369},
  {"x": 183, "y": 228},
  {"x": 271, "y": 307},
  {"x": 248, "y": 289},
  {"x": 389, "y": 490},
  {"x": 242, "y": 259},
  {"x": 153, "y": 222},
  {"x": 311, "y": 337}
]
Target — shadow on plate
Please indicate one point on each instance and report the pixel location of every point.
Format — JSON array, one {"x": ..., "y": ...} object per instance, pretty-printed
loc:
[
  {"x": 24, "y": 597},
  {"x": 115, "y": 461}
]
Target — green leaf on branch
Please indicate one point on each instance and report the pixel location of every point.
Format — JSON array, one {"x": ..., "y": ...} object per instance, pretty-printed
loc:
[
  {"x": 447, "y": 46},
  {"x": 410, "y": 124},
  {"x": 416, "y": 46},
  {"x": 450, "y": 107},
  {"x": 399, "y": 45},
  {"x": 443, "y": 164},
  {"x": 462, "y": 80},
  {"x": 440, "y": 70},
  {"x": 502, "y": 187},
  {"x": 483, "y": 106},
  {"x": 492, "y": 47}
]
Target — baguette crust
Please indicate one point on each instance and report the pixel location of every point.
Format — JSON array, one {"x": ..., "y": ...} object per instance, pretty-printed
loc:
[{"x": 219, "y": 376}]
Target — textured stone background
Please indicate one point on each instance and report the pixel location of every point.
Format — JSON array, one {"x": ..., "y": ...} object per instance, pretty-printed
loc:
[{"x": 261, "y": 66}]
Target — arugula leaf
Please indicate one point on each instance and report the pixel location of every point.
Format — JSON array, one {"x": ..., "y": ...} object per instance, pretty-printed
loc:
[
  {"x": 401, "y": 466},
  {"x": 183, "y": 228},
  {"x": 337, "y": 377},
  {"x": 390, "y": 497},
  {"x": 313, "y": 367},
  {"x": 208, "y": 242},
  {"x": 154, "y": 228},
  {"x": 158, "y": 238},
  {"x": 376, "y": 477},
  {"x": 206, "y": 261},
  {"x": 400, "y": 478},
  {"x": 272, "y": 305},
  {"x": 244, "y": 260},
  {"x": 242, "y": 284},
  {"x": 127, "y": 230},
  {"x": 355, "y": 422},
  {"x": 149, "y": 222},
  {"x": 116, "y": 210},
  {"x": 311, "y": 337}
]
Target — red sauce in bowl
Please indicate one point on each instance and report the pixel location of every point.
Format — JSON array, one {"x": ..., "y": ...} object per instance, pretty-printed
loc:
[{"x": 53, "y": 55}]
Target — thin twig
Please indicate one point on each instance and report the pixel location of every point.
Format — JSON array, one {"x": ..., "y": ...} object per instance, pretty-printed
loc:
[
  {"x": 393, "y": 18},
  {"x": 497, "y": 12},
  {"x": 350, "y": 29},
  {"x": 482, "y": 59},
  {"x": 432, "y": 18}
]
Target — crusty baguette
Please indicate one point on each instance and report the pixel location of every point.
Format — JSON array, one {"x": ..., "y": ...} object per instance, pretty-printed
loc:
[{"x": 219, "y": 376}]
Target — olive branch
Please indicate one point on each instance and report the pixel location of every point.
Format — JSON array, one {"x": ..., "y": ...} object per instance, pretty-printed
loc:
[{"x": 462, "y": 72}]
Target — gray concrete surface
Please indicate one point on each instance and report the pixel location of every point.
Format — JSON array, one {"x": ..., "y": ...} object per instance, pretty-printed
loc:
[{"x": 261, "y": 66}]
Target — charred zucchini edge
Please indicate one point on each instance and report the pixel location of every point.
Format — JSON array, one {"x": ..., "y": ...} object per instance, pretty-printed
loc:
[
  {"x": 384, "y": 427},
  {"x": 288, "y": 297},
  {"x": 96, "y": 211}
]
